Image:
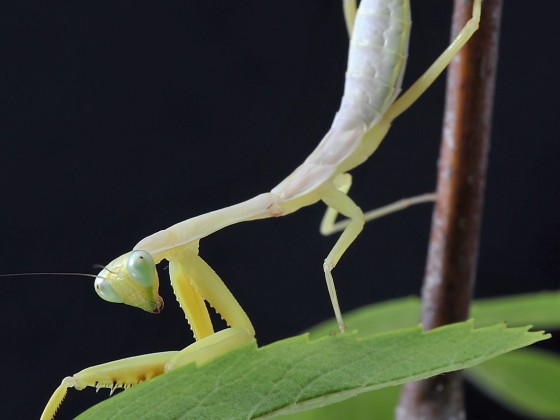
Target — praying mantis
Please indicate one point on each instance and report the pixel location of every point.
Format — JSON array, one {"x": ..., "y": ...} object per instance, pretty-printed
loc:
[{"x": 292, "y": 197}]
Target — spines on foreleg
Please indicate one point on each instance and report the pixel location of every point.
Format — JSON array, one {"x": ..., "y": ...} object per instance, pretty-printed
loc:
[
  {"x": 122, "y": 373},
  {"x": 56, "y": 399}
]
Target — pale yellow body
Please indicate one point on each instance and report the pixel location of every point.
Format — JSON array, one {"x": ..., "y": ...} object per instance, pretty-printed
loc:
[{"x": 357, "y": 131}]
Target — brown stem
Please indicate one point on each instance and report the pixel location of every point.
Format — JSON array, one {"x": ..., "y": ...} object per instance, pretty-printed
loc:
[{"x": 453, "y": 249}]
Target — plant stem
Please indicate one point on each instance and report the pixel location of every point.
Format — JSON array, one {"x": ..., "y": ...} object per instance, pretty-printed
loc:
[{"x": 456, "y": 221}]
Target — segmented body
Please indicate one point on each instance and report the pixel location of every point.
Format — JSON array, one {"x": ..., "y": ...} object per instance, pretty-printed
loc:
[{"x": 376, "y": 62}]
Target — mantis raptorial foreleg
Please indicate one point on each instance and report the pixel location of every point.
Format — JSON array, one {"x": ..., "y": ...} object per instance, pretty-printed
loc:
[
  {"x": 118, "y": 374},
  {"x": 194, "y": 282},
  {"x": 127, "y": 372},
  {"x": 207, "y": 284}
]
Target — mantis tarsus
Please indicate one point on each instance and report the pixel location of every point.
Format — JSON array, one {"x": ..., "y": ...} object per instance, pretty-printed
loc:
[{"x": 357, "y": 131}]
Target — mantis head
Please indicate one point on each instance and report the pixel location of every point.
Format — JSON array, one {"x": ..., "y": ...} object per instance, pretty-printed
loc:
[{"x": 131, "y": 279}]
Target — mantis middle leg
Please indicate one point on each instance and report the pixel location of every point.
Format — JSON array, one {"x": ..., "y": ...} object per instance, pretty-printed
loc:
[
  {"x": 338, "y": 200},
  {"x": 342, "y": 182}
]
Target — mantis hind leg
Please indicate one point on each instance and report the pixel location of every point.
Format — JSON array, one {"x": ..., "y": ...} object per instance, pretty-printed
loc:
[
  {"x": 437, "y": 67},
  {"x": 341, "y": 203}
]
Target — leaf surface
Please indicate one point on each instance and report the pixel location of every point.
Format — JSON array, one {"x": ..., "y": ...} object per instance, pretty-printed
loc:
[
  {"x": 538, "y": 309},
  {"x": 527, "y": 381},
  {"x": 530, "y": 386},
  {"x": 298, "y": 373}
]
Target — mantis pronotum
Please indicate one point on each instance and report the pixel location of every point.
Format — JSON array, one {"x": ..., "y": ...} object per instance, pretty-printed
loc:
[{"x": 356, "y": 132}]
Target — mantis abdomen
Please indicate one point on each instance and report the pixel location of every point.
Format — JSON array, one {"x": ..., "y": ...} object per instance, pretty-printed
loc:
[{"x": 376, "y": 63}]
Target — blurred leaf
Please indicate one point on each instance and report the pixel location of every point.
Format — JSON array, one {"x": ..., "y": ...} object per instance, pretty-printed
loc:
[
  {"x": 376, "y": 318},
  {"x": 527, "y": 381},
  {"x": 297, "y": 374},
  {"x": 539, "y": 309},
  {"x": 373, "y": 405}
]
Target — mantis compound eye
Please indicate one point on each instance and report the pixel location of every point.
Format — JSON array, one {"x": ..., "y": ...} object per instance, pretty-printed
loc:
[
  {"x": 106, "y": 291},
  {"x": 141, "y": 267}
]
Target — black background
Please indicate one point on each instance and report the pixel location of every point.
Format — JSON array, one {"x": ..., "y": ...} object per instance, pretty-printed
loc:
[{"x": 121, "y": 118}]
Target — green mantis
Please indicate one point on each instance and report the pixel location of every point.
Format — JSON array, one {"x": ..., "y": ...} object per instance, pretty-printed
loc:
[{"x": 358, "y": 129}]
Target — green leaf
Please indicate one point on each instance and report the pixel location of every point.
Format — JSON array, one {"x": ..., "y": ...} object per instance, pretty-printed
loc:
[
  {"x": 296, "y": 374},
  {"x": 375, "y": 318},
  {"x": 538, "y": 309},
  {"x": 527, "y": 381},
  {"x": 374, "y": 405}
]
